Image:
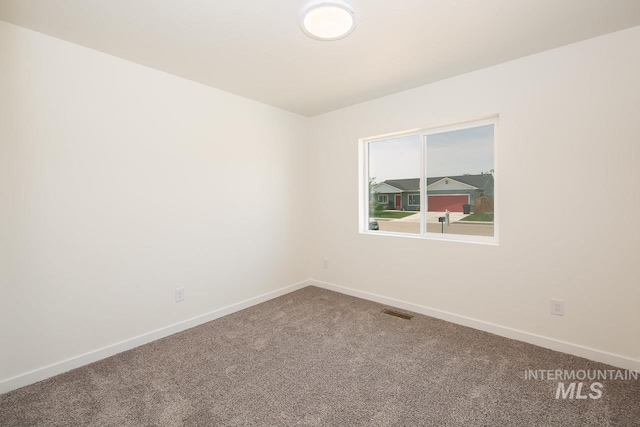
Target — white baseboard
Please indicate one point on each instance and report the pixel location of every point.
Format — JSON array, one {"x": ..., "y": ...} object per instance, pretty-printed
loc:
[
  {"x": 539, "y": 340},
  {"x": 110, "y": 350}
]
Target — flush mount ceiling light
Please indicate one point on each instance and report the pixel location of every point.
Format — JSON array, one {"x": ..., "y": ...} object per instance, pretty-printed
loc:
[{"x": 328, "y": 19}]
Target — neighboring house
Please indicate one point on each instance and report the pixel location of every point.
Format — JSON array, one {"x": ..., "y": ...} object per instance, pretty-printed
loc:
[{"x": 444, "y": 192}]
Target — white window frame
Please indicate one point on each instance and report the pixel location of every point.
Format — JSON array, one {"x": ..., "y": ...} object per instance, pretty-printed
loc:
[
  {"x": 363, "y": 152},
  {"x": 386, "y": 198},
  {"x": 409, "y": 196}
]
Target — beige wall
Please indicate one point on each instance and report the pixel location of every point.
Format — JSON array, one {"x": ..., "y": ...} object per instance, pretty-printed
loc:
[
  {"x": 568, "y": 155},
  {"x": 118, "y": 184}
]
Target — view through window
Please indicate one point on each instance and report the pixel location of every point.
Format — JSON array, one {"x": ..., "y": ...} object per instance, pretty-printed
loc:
[{"x": 436, "y": 183}]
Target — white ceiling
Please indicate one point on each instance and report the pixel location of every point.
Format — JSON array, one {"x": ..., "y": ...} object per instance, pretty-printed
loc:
[{"x": 255, "y": 48}]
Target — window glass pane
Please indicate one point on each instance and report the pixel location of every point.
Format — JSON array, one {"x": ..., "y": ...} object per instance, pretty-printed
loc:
[
  {"x": 394, "y": 174},
  {"x": 460, "y": 185}
]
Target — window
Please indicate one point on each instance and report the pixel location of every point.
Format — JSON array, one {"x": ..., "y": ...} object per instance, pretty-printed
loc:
[{"x": 452, "y": 167}]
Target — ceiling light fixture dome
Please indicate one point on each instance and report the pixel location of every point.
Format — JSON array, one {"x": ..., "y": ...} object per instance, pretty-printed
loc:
[{"x": 328, "y": 19}]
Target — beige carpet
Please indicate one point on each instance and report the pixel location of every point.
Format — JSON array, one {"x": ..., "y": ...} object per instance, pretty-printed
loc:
[{"x": 315, "y": 357}]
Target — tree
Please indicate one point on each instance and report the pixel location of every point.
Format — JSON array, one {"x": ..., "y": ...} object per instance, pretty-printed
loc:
[
  {"x": 484, "y": 201},
  {"x": 374, "y": 206}
]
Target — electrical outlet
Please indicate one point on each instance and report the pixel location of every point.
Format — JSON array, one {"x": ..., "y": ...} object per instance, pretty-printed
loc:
[
  {"x": 179, "y": 294},
  {"x": 557, "y": 307},
  {"x": 325, "y": 264}
]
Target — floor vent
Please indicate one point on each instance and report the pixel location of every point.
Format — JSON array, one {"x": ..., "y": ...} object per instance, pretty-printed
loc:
[{"x": 397, "y": 314}]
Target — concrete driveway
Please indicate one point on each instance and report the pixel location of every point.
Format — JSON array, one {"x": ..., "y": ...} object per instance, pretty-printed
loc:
[
  {"x": 432, "y": 217},
  {"x": 411, "y": 224}
]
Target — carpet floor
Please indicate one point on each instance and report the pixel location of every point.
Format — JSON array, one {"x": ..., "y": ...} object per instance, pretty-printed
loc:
[{"x": 316, "y": 357}]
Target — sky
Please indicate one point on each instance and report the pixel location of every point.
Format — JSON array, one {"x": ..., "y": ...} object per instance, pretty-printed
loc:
[{"x": 459, "y": 152}]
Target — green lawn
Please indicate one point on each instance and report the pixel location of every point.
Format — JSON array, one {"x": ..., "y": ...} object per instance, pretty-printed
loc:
[
  {"x": 479, "y": 217},
  {"x": 391, "y": 214}
]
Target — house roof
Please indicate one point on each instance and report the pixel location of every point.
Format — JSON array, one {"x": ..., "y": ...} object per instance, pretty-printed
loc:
[
  {"x": 411, "y": 184},
  {"x": 479, "y": 181}
]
